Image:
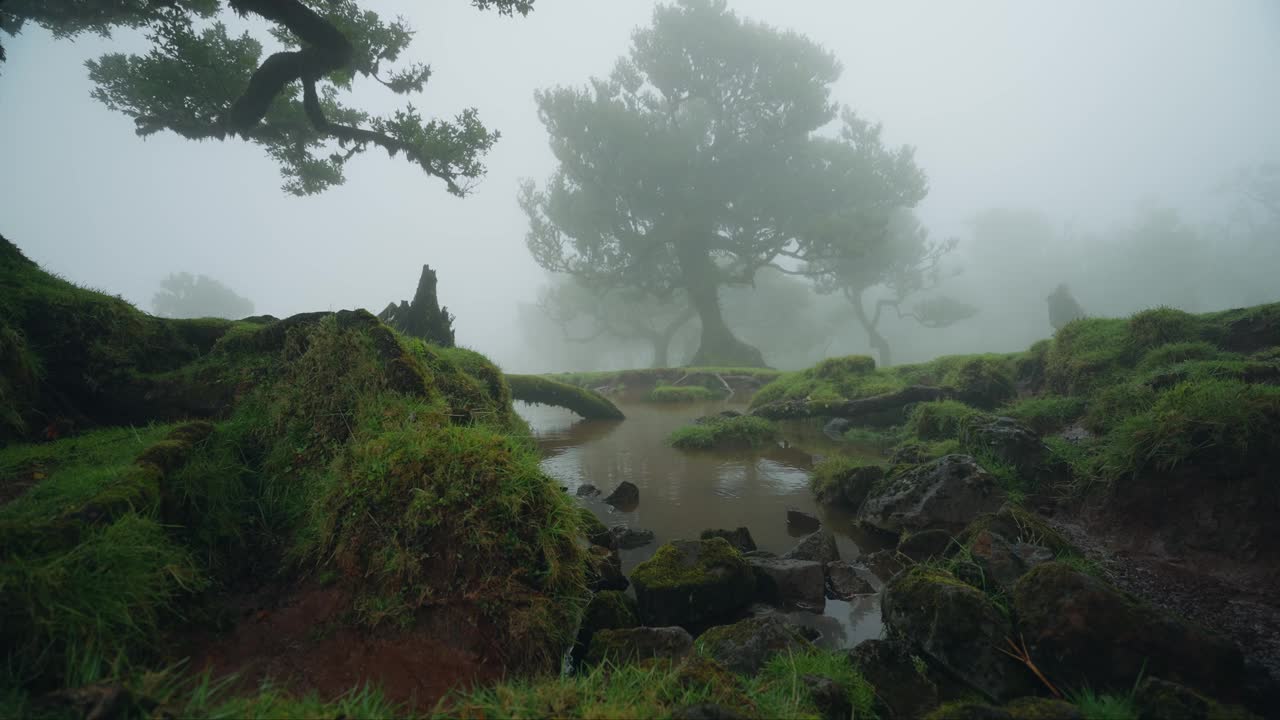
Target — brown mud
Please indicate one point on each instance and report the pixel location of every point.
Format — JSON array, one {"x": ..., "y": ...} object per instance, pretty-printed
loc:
[{"x": 302, "y": 640}]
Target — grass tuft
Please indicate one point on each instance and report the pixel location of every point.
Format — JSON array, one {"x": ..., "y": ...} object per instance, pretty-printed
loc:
[{"x": 740, "y": 432}]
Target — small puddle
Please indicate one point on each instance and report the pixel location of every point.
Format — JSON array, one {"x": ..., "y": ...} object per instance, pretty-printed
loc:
[{"x": 683, "y": 493}]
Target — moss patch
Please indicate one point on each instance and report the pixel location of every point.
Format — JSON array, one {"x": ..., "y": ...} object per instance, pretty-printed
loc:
[
  {"x": 587, "y": 403},
  {"x": 742, "y": 431},
  {"x": 682, "y": 394}
]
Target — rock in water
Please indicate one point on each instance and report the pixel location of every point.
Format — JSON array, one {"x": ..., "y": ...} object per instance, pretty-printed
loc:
[
  {"x": 626, "y": 495},
  {"x": 958, "y": 627},
  {"x": 641, "y": 643},
  {"x": 631, "y": 538},
  {"x": 844, "y": 583},
  {"x": 790, "y": 584},
  {"x": 693, "y": 582},
  {"x": 739, "y": 538},
  {"x": 587, "y": 490},
  {"x": 819, "y": 547},
  {"x": 746, "y": 646},
  {"x": 849, "y": 489},
  {"x": 884, "y": 564},
  {"x": 945, "y": 494},
  {"x": 800, "y": 521}
]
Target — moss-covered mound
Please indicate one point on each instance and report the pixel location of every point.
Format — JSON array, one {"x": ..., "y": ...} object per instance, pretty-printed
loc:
[
  {"x": 725, "y": 433},
  {"x": 692, "y": 583},
  {"x": 590, "y": 404},
  {"x": 682, "y": 394},
  {"x": 339, "y": 453}
]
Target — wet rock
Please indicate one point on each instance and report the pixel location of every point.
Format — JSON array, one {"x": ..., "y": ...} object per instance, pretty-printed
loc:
[
  {"x": 631, "y": 538},
  {"x": 850, "y": 488},
  {"x": 844, "y": 583},
  {"x": 884, "y": 564},
  {"x": 1082, "y": 630},
  {"x": 1008, "y": 440},
  {"x": 926, "y": 545},
  {"x": 1017, "y": 525},
  {"x": 626, "y": 495},
  {"x": 692, "y": 582},
  {"x": 1004, "y": 562},
  {"x": 745, "y": 646},
  {"x": 608, "y": 610},
  {"x": 759, "y": 554},
  {"x": 836, "y": 427},
  {"x": 1157, "y": 699},
  {"x": 587, "y": 490},
  {"x": 945, "y": 494},
  {"x": 819, "y": 547},
  {"x": 802, "y": 522},
  {"x": 830, "y": 696},
  {"x": 706, "y": 711},
  {"x": 604, "y": 570},
  {"x": 899, "y": 676},
  {"x": 740, "y": 538},
  {"x": 596, "y": 532},
  {"x": 958, "y": 627},
  {"x": 909, "y": 454},
  {"x": 789, "y": 583},
  {"x": 641, "y": 643}
]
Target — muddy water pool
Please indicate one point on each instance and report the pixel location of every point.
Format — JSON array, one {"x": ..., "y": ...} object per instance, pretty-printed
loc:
[{"x": 683, "y": 493}]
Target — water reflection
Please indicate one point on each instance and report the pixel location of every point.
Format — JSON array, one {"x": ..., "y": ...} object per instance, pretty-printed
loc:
[{"x": 684, "y": 493}]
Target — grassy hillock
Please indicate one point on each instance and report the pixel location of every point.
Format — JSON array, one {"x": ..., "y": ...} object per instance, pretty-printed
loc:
[
  {"x": 327, "y": 449},
  {"x": 1166, "y": 409}
]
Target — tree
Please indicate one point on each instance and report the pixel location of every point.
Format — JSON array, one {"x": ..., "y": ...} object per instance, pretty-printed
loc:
[
  {"x": 183, "y": 295},
  {"x": 868, "y": 238},
  {"x": 679, "y": 172},
  {"x": 585, "y": 314},
  {"x": 424, "y": 317},
  {"x": 201, "y": 82}
]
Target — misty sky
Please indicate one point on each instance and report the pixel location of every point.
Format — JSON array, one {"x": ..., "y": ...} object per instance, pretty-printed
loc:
[{"x": 1081, "y": 109}]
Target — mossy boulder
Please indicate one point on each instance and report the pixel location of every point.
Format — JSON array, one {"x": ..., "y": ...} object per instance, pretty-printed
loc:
[
  {"x": 1000, "y": 562},
  {"x": 740, "y": 538},
  {"x": 745, "y": 646},
  {"x": 692, "y": 583},
  {"x": 945, "y": 494},
  {"x": 1158, "y": 699},
  {"x": 926, "y": 544},
  {"x": 627, "y": 645},
  {"x": 819, "y": 547},
  {"x": 957, "y": 626},
  {"x": 900, "y": 677},
  {"x": 1081, "y": 630},
  {"x": 838, "y": 481},
  {"x": 608, "y": 610},
  {"x": 1010, "y": 442},
  {"x": 1016, "y": 524}
]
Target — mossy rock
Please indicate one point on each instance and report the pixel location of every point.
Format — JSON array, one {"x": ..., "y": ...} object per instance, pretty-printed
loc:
[
  {"x": 1017, "y": 524},
  {"x": 901, "y": 679},
  {"x": 608, "y": 610},
  {"x": 968, "y": 710},
  {"x": 589, "y": 404},
  {"x": 1081, "y": 630},
  {"x": 985, "y": 382},
  {"x": 692, "y": 583},
  {"x": 844, "y": 482},
  {"x": 745, "y": 646},
  {"x": 946, "y": 494},
  {"x": 629, "y": 645},
  {"x": 738, "y": 432},
  {"x": 958, "y": 626},
  {"x": 838, "y": 367},
  {"x": 1157, "y": 699}
]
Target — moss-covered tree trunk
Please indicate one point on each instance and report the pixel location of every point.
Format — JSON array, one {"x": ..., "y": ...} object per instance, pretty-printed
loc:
[{"x": 718, "y": 346}]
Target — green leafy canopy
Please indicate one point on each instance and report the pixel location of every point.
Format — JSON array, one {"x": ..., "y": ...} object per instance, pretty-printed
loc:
[{"x": 201, "y": 82}]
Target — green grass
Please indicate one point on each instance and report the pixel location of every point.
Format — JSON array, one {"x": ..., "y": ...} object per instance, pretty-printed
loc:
[
  {"x": 1225, "y": 422},
  {"x": 1047, "y": 413},
  {"x": 658, "y": 688},
  {"x": 940, "y": 420},
  {"x": 1104, "y": 707},
  {"x": 682, "y": 394},
  {"x": 1179, "y": 352},
  {"x": 744, "y": 431}
]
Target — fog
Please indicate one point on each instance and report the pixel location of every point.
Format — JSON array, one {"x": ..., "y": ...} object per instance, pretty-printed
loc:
[{"x": 1082, "y": 120}]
